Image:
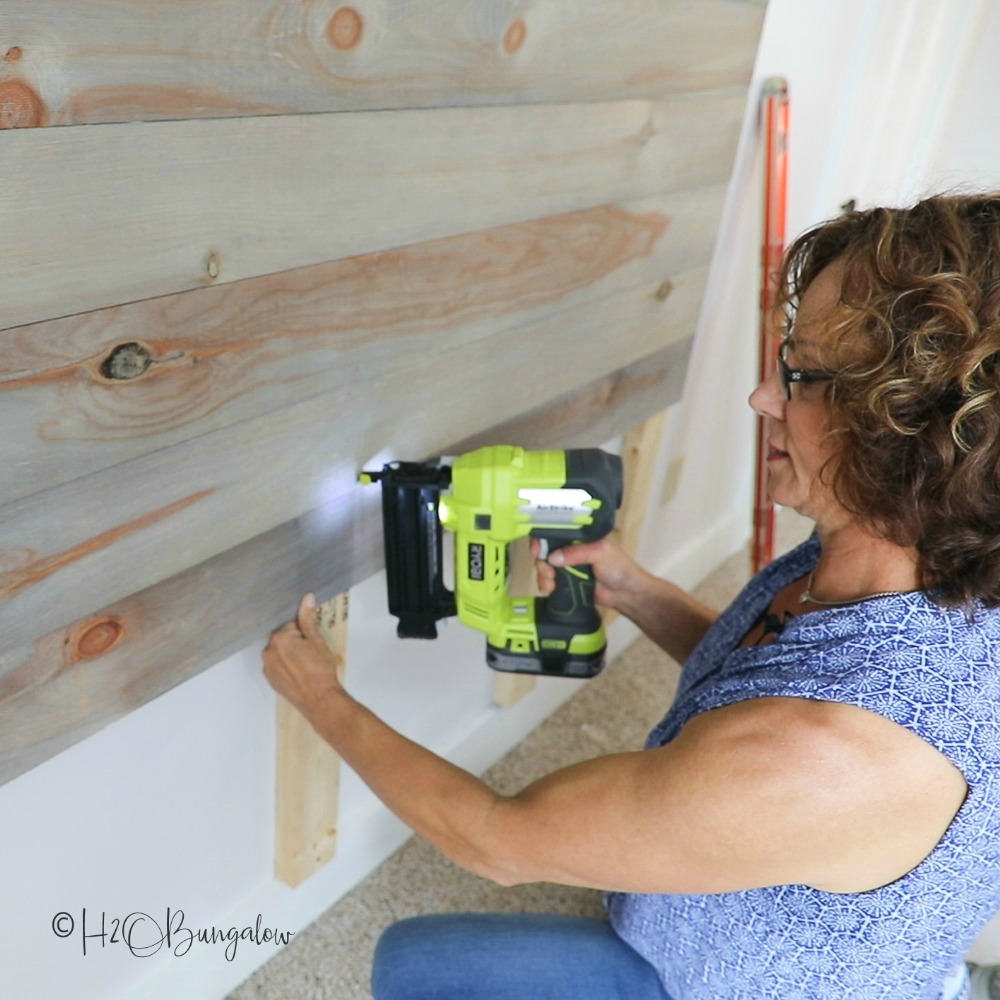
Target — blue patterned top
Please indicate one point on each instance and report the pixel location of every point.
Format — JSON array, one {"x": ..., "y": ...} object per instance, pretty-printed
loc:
[{"x": 927, "y": 668}]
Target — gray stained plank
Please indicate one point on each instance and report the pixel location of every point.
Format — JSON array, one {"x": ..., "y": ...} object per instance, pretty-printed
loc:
[
  {"x": 89, "y": 61},
  {"x": 220, "y": 355},
  {"x": 134, "y": 524},
  {"x": 136, "y": 211},
  {"x": 67, "y": 684},
  {"x": 222, "y": 295}
]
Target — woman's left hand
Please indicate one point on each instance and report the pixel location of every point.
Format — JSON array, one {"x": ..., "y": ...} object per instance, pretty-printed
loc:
[{"x": 299, "y": 665}]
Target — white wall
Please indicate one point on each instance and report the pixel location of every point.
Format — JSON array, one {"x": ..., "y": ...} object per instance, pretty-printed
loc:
[
  {"x": 967, "y": 151},
  {"x": 173, "y": 806}
]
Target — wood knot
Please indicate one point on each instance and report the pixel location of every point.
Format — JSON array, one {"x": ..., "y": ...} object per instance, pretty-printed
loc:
[
  {"x": 20, "y": 106},
  {"x": 14, "y": 53},
  {"x": 97, "y": 638},
  {"x": 515, "y": 36},
  {"x": 126, "y": 361},
  {"x": 666, "y": 287},
  {"x": 345, "y": 29}
]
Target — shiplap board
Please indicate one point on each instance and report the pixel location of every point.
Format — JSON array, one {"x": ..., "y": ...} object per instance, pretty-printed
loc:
[
  {"x": 160, "y": 524},
  {"x": 61, "y": 687},
  {"x": 186, "y": 503},
  {"x": 91, "y": 61},
  {"x": 226, "y": 354},
  {"x": 599, "y": 411},
  {"x": 100, "y": 215}
]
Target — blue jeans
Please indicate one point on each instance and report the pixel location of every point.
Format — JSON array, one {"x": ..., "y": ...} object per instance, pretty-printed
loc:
[{"x": 509, "y": 956}]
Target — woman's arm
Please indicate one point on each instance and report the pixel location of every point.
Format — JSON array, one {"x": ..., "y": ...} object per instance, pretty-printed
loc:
[
  {"x": 763, "y": 792},
  {"x": 444, "y": 804},
  {"x": 674, "y": 619}
]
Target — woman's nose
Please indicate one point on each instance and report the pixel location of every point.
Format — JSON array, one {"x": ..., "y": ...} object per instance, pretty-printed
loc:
[{"x": 768, "y": 399}]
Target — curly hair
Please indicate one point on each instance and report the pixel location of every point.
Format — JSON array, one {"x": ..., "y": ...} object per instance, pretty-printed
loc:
[{"x": 915, "y": 401}]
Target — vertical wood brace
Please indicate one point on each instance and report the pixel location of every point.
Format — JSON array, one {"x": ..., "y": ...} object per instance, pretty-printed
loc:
[
  {"x": 308, "y": 773},
  {"x": 509, "y": 689},
  {"x": 639, "y": 453}
]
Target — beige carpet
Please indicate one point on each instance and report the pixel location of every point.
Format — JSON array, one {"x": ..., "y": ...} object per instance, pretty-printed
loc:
[{"x": 330, "y": 960}]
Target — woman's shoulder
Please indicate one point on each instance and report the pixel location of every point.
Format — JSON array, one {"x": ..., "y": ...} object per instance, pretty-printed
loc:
[
  {"x": 911, "y": 619},
  {"x": 932, "y": 670}
]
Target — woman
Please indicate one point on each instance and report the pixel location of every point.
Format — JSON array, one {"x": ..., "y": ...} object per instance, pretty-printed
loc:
[{"x": 818, "y": 814}]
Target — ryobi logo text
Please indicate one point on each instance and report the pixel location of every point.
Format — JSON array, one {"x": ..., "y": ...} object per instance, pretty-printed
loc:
[{"x": 477, "y": 559}]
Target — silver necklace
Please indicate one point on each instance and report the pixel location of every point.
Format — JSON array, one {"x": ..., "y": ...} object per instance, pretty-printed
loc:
[{"x": 806, "y": 596}]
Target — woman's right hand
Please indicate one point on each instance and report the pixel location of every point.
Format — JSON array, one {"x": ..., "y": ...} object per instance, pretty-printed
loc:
[{"x": 616, "y": 574}]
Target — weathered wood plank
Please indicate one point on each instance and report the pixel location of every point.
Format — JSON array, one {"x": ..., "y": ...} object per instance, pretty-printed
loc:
[
  {"x": 308, "y": 772},
  {"x": 136, "y": 211},
  {"x": 65, "y": 685},
  {"x": 217, "y": 356},
  {"x": 184, "y": 504},
  {"x": 250, "y": 57},
  {"x": 599, "y": 411}
]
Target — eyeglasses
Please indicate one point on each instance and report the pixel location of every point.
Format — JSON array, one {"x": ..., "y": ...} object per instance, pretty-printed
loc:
[{"x": 788, "y": 375}]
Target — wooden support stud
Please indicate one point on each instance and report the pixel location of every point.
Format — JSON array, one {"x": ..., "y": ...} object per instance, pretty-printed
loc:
[
  {"x": 509, "y": 688},
  {"x": 639, "y": 451},
  {"x": 308, "y": 773}
]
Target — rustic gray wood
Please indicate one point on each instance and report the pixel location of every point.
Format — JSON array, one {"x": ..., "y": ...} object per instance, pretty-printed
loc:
[
  {"x": 187, "y": 503},
  {"x": 273, "y": 242},
  {"x": 134, "y": 211},
  {"x": 221, "y": 355},
  {"x": 87, "y": 61},
  {"x": 61, "y": 687}
]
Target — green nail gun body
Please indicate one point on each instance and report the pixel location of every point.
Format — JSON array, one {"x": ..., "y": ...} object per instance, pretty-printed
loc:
[{"x": 489, "y": 498}]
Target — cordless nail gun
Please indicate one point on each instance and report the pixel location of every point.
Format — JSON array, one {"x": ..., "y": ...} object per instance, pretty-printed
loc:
[{"x": 489, "y": 498}]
